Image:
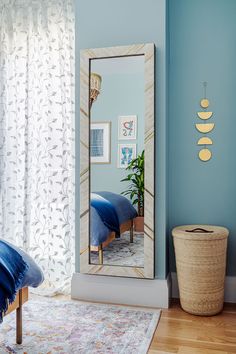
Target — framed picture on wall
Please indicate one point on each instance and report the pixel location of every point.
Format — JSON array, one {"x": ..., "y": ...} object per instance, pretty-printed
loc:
[
  {"x": 126, "y": 153},
  {"x": 100, "y": 142},
  {"x": 127, "y": 128}
]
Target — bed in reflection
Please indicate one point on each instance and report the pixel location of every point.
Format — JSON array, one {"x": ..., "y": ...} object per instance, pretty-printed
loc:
[{"x": 110, "y": 216}]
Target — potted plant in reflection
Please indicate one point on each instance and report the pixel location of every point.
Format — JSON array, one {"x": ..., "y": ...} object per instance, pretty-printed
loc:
[{"x": 135, "y": 189}]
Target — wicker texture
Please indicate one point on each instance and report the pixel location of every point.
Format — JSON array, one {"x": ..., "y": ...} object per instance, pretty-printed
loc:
[{"x": 201, "y": 263}]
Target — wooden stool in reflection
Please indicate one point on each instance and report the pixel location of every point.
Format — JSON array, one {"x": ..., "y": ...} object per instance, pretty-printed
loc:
[{"x": 126, "y": 226}]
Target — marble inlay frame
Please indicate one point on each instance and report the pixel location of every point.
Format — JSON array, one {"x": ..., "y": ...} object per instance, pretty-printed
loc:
[{"x": 149, "y": 234}]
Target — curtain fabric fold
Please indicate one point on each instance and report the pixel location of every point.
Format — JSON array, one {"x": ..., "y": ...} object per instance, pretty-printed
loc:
[{"x": 37, "y": 134}]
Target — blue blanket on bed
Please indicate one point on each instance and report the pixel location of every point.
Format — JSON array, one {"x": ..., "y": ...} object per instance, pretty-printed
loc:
[
  {"x": 12, "y": 272},
  {"x": 106, "y": 211},
  {"x": 124, "y": 210}
]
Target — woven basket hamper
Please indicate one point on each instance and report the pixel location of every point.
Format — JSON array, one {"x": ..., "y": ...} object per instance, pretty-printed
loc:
[{"x": 200, "y": 252}]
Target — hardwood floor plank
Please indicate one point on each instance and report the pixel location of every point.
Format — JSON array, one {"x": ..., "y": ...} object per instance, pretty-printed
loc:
[
  {"x": 163, "y": 348},
  {"x": 181, "y": 333},
  {"x": 188, "y": 350}
]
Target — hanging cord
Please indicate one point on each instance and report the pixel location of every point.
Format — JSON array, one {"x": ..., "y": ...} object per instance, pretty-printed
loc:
[{"x": 205, "y": 87}]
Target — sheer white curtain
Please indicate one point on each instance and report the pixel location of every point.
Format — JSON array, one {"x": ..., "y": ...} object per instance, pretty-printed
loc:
[{"x": 37, "y": 134}]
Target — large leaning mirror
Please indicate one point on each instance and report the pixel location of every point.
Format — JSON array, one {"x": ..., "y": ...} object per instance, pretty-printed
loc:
[{"x": 117, "y": 161}]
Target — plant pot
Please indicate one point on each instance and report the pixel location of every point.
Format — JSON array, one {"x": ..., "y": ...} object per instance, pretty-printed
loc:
[{"x": 139, "y": 224}]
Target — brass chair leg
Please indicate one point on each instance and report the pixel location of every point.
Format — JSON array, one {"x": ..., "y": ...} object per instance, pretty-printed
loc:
[
  {"x": 19, "y": 320},
  {"x": 132, "y": 232},
  {"x": 100, "y": 253}
]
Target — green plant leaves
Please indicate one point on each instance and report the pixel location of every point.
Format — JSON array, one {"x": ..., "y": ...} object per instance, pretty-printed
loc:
[{"x": 136, "y": 178}]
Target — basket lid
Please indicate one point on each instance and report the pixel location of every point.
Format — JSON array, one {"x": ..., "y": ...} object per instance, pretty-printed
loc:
[{"x": 200, "y": 232}]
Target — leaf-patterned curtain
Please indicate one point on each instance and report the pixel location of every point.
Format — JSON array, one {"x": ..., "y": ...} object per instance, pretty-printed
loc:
[{"x": 37, "y": 134}]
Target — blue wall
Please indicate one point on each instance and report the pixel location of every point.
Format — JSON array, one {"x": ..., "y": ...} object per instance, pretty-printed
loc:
[
  {"x": 121, "y": 95},
  {"x": 202, "y": 48},
  {"x": 201, "y": 37},
  {"x": 106, "y": 23}
]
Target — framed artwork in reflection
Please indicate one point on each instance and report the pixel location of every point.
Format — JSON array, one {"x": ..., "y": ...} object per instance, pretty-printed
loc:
[
  {"x": 127, "y": 127},
  {"x": 100, "y": 142},
  {"x": 126, "y": 153}
]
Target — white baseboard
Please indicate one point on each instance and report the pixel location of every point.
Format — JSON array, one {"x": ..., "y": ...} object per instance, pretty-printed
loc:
[
  {"x": 126, "y": 291},
  {"x": 230, "y": 288}
]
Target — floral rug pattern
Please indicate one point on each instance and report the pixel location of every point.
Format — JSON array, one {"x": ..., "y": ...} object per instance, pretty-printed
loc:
[{"x": 71, "y": 327}]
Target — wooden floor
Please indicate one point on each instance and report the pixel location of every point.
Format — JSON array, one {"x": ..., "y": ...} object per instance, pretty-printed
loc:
[{"x": 179, "y": 332}]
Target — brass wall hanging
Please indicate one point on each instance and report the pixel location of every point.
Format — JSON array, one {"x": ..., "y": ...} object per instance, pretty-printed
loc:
[{"x": 204, "y": 128}]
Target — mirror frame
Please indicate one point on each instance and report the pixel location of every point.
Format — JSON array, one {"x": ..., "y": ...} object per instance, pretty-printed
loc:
[{"x": 86, "y": 55}]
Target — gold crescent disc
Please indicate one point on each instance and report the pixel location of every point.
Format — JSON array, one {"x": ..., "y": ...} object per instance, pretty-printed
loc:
[
  {"x": 204, "y": 141},
  {"x": 205, "y": 128},
  {"x": 205, "y": 155},
  {"x": 204, "y": 103},
  {"x": 204, "y": 115}
]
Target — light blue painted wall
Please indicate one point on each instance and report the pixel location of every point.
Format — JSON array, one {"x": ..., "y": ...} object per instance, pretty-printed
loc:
[
  {"x": 106, "y": 23},
  {"x": 121, "y": 95},
  {"x": 202, "y": 48}
]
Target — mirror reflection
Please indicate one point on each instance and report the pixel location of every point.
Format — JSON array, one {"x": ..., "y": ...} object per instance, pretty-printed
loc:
[{"x": 117, "y": 161}]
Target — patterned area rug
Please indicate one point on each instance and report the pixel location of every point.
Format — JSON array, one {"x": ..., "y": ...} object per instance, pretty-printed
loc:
[
  {"x": 71, "y": 327},
  {"x": 121, "y": 252}
]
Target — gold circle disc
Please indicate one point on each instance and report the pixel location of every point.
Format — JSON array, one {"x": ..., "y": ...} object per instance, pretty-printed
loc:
[
  {"x": 205, "y": 103},
  {"x": 205, "y": 155}
]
